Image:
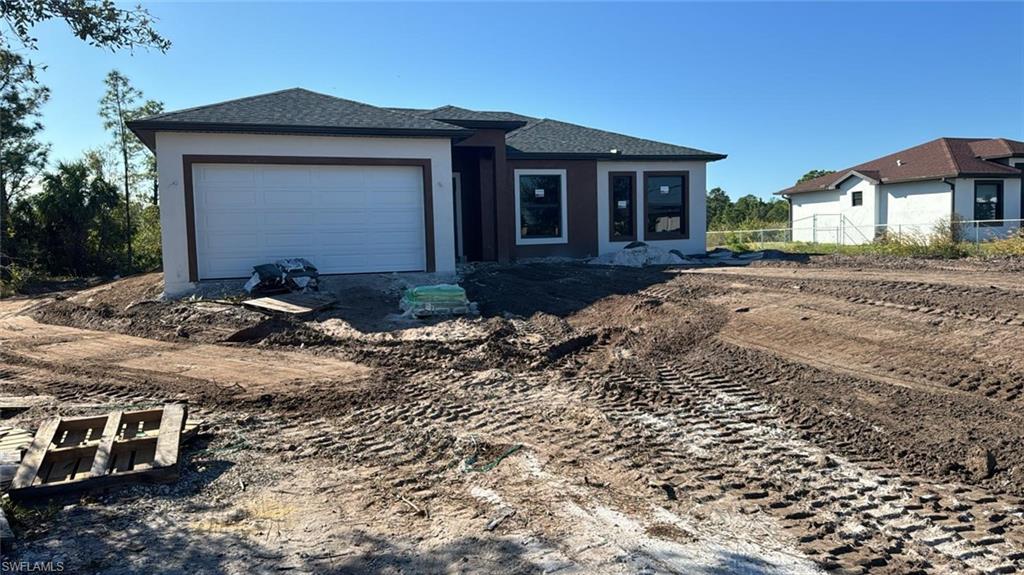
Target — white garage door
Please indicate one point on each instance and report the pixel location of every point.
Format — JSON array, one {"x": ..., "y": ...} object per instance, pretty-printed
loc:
[{"x": 344, "y": 219}]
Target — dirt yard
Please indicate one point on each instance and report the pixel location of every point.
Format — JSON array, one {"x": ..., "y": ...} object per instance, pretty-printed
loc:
[{"x": 831, "y": 415}]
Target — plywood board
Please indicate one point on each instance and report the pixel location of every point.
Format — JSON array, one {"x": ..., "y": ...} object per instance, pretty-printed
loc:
[{"x": 292, "y": 303}]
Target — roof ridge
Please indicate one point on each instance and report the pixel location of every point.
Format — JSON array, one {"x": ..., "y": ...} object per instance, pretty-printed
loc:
[
  {"x": 230, "y": 101},
  {"x": 950, "y": 156},
  {"x": 529, "y": 126}
]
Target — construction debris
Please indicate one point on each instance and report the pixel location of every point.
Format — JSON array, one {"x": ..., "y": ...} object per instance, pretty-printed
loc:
[
  {"x": 292, "y": 303},
  {"x": 14, "y": 439},
  {"x": 6, "y": 535},
  {"x": 500, "y": 518},
  {"x": 639, "y": 254},
  {"x": 442, "y": 299},
  {"x": 9, "y": 461},
  {"x": 69, "y": 454},
  {"x": 287, "y": 275}
]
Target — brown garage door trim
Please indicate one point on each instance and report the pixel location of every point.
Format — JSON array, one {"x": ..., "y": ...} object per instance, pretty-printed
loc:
[{"x": 187, "y": 161}]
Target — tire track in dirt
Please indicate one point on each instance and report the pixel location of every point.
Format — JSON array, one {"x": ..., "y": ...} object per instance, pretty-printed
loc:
[{"x": 986, "y": 305}]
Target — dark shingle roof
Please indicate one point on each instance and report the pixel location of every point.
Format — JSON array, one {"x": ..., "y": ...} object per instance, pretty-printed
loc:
[
  {"x": 997, "y": 148},
  {"x": 941, "y": 158},
  {"x": 554, "y": 138},
  {"x": 299, "y": 111},
  {"x": 462, "y": 114},
  {"x": 296, "y": 111}
]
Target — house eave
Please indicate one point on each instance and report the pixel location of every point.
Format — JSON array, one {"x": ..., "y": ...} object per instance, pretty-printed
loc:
[
  {"x": 790, "y": 191},
  {"x": 146, "y": 130}
]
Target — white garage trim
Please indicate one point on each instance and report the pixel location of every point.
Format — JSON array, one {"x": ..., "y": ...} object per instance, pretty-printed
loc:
[{"x": 188, "y": 161}]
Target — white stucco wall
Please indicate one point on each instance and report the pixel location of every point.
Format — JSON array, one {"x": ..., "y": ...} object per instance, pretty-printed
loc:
[
  {"x": 915, "y": 207},
  {"x": 170, "y": 146},
  {"x": 964, "y": 207},
  {"x": 697, "y": 210},
  {"x": 911, "y": 208},
  {"x": 830, "y": 216}
]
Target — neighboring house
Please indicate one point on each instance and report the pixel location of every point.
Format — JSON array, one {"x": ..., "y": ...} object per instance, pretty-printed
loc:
[
  {"x": 359, "y": 188},
  {"x": 912, "y": 191}
]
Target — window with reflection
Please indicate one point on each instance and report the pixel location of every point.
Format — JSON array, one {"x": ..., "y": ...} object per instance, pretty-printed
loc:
[
  {"x": 621, "y": 192},
  {"x": 988, "y": 201},
  {"x": 665, "y": 196},
  {"x": 541, "y": 206}
]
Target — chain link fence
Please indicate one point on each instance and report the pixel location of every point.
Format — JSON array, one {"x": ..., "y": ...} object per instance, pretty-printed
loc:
[{"x": 826, "y": 232}]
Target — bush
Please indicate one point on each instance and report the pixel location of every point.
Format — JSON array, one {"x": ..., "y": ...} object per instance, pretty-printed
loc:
[
  {"x": 1012, "y": 246},
  {"x": 146, "y": 243},
  {"x": 14, "y": 278}
]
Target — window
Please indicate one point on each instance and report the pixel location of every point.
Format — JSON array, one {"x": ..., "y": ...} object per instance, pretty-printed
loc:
[
  {"x": 988, "y": 201},
  {"x": 665, "y": 205},
  {"x": 622, "y": 206},
  {"x": 540, "y": 207},
  {"x": 858, "y": 198}
]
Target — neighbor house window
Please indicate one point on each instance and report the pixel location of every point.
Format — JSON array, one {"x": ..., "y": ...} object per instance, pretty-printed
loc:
[
  {"x": 665, "y": 205},
  {"x": 988, "y": 201},
  {"x": 858, "y": 198},
  {"x": 622, "y": 206},
  {"x": 541, "y": 210}
]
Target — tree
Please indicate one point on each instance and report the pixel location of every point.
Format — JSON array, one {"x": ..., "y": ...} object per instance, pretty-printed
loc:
[
  {"x": 718, "y": 205},
  {"x": 119, "y": 105},
  {"x": 147, "y": 171},
  {"x": 100, "y": 23},
  {"x": 74, "y": 216},
  {"x": 748, "y": 212},
  {"x": 814, "y": 174},
  {"x": 22, "y": 155}
]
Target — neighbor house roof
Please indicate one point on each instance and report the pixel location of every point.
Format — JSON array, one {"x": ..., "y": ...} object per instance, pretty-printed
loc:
[
  {"x": 293, "y": 111},
  {"x": 997, "y": 148},
  {"x": 941, "y": 158},
  {"x": 300, "y": 111}
]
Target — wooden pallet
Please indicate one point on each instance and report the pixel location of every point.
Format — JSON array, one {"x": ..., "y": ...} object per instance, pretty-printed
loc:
[
  {"x": 291, "y": 303},
  {"x": 71, "y": 454}
]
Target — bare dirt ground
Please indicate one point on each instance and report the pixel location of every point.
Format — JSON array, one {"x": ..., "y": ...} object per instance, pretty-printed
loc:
[{"x": 828, "y": 416}]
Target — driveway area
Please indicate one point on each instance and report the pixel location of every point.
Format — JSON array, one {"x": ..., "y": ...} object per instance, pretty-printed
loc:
[{"x": 786, "y": 417}]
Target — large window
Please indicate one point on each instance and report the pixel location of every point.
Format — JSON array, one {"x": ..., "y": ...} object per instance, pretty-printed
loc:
[
  {"x": 988, "y": 201},
  {"x": 665, "y": 205},
  {"x": 540, "y": 207},
  {"x": 622, "y": 206}
]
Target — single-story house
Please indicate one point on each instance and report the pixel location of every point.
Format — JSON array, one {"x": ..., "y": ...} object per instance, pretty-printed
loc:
[
  {"x": 359, "y": 188},
  {"x": 913, "y": 191}
]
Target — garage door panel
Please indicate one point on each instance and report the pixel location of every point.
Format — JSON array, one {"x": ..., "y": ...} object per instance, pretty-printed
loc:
[
  {"x": 220, "y": 220},
  {"x": 334, "y": 177},
  {"x": 294, "y": 240},
  {"x": 356, "y": 200},
  {"x": 344, "y": 219},
  {"x": 288, "y": 198},
  {"x": 225, "y": 174},
  {"x": 288, "y": 219},
  {"x": 298, "y": 177},
  {"x": 232, "y": 198}
]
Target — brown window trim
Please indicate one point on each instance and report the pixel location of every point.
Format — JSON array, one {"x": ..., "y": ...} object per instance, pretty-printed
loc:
[
  {"x": 611, "y": 207},
  {"x": 188, "y": 160},
  {"x": 1001, "y": 213},
  {"x": 684, "y": 232}
]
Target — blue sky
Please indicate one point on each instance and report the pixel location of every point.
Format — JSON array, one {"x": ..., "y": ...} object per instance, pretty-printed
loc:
[{"x": 780, "y": 87}]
